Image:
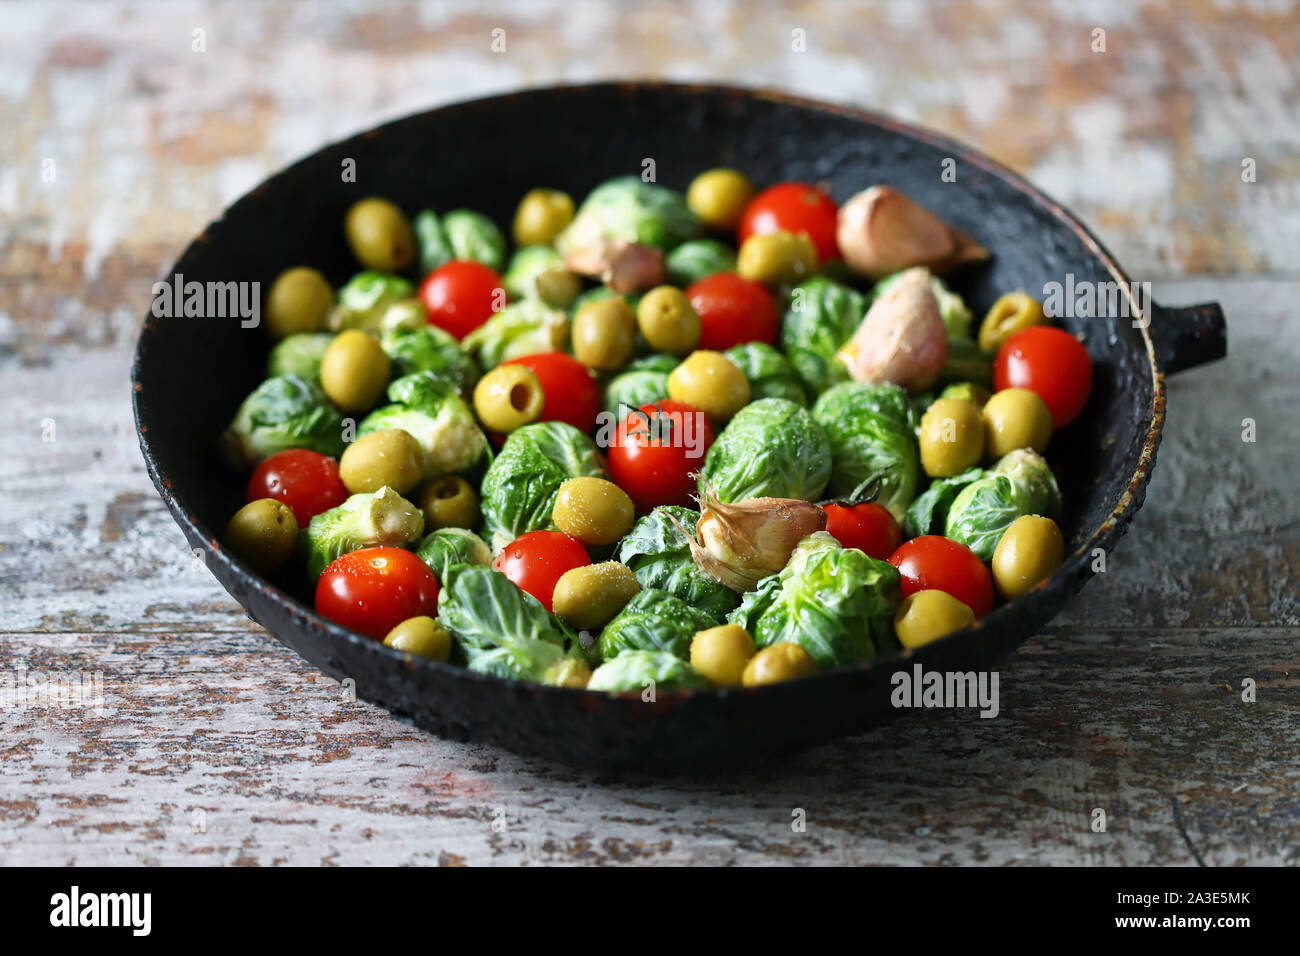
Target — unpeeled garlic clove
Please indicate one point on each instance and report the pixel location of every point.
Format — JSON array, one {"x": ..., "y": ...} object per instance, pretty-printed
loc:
[
  {"x": 624, "y": 266},
  {"x": 902, "y": 339},
  {"x": 881, "y": 231}
]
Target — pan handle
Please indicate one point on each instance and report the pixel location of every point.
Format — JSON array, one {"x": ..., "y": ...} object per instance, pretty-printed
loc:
[{"x": 1188, "y": 335}]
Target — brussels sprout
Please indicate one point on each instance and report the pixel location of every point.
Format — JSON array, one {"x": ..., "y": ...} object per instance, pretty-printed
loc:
[
  {"x": 521, "y": 328},
  {"x": 871, "y": 433},
  {"x": 445, "y": 547},
  {"x": 382, "y": 517},
  {"x": 365, "y": 300},
  {"x": 435, "y": 415},
  {"x": 660, "y": 557},
  {"x": 430, "y": 349},
  {"x": 1028, "y": 469},
  {"x": 821, "y": 317},
  {"x": 929, "y": 512},
  {"x": 653, "y": 621},
  {"x": 952, "y": 308},
  {"x": 299, "y": 354},
  {"x": 643, "y": 670},
  {"x": 459, "y": 234},
  {"x": 770, "y": 374},
  {"x": 524, "y": 277},
  {"x": 1021, "y": 483},
  {"x": 631, "y": 210},
  {"x": 520, "y": 486},
  {"x": 283, "y": 412},
  {"x": 836, "y": 603},
  {"x": 698, "y": 259},
  {"x": 772, "y": 447},
  {"x": 644, "y": 380},
  {"x": 435, "y": 250}
]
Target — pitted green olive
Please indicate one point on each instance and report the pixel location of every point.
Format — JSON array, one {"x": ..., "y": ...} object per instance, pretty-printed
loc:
[
  {"x": 951, "y": 439},
  {"x": 449, "y": 502},
  {"x": 508, "y": 397}
]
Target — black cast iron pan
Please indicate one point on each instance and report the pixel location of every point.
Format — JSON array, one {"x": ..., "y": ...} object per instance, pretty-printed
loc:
[{"x": 190, "y": 375}]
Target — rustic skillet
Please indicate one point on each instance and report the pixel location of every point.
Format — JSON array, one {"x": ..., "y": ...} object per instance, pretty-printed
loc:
[{"x": 190, "y": 374}]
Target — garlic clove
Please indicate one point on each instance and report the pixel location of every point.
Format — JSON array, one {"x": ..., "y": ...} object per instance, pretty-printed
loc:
[
  {"x": 881, "y": 231},
  {"x": 902, "y": 339}
]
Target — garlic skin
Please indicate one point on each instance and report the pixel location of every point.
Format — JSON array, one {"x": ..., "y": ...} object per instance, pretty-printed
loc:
[
  {"x": 624, "y": 266},
  {"x": 880, "y": 231},
  {"x": 740, "y": 543},
  {"x": 902, "y": 339}
]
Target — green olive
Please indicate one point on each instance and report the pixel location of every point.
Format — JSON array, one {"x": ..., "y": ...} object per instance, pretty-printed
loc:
[
  {"x": 926, "y": 616},
  {"x": 1027, "y": 554},
  {"x": 508, "y": 397},
  {"x": 541, "y": 216},
  {"x": 951, "y": 439},
  {"x": 1015, "y": 418},
  {"x": 668, "y": 320},
  {"x": 590, "y": 596},
  {"x": 712, "y": 383},
  {"x": 568, "y": 672},
  {"x": 776, "y": 663},
  {"x": 299, "y": 301},
  {"x": 380, "y": 235},
  {"x": 593, "y": 510},
  {"x": 777, "y": 257},
  {"x": 263, "y": 534},
  {"x": 558, "y": 287},
  {"x": 421, "y": 636},
  {"x": 722, "y": 653},
  {"x": 449, "y": 502},
  {"x": 354, "y": 371},
  {"x": 977, "y": 395},
  {"x": 604, "y": 333},
  {"x": 1012, "y": 313},
  {"x": 389, "y": 457},
  {"x": 719, "y": 197}
]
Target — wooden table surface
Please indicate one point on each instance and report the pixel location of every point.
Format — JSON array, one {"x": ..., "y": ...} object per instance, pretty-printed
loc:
[{"x": 217, "y": 745}]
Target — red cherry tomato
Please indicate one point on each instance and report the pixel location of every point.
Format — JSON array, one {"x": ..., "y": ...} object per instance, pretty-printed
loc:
[
  {"x": 373, "y": 590},
  {"x": 655, "y": 450},
  {"x": 571, "y": 392},
  {"x": 933, "y": 562},
  {"x": 793, "y": 207},
  {"x": 868, "y": 527},
  {"x": 732, "y": 311},
  {"x": 461, "y": 295},
  {"x": 536, "y": 560},
  {"x": 307, "y": 481},
  {"x": 1050, "y": 362}
]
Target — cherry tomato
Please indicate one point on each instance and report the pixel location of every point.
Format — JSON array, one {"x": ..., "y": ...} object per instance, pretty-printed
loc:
[
  {"x": 656, "y": 448},
  {"x": 307, "y": 481},
  {"x": 933, "y": 561},
  {"x": 571, "y": 392},
  {"x": 373, "y": 590},
  {"x": 1050, "y": 362},
  {"x": 536, "y": 560},
  {"x": 793, "y": 207},
  {"x": 732, "y": 311},
  {"x": 868, "y": 527},
  {"x": 461, "y": 295}
]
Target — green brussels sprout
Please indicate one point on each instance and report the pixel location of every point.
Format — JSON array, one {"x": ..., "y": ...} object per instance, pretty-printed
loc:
[
  {"x": 929, "y": 512},
  {"x": 952, "y": 308},
  {"x": 871, "y": 434},
  {"x": 821, "y": 317},
  {"x": 769, "y": 372},
  {"x": 643, "y": 670},
  {"x": 445, "y": 547},
  {"x": 365, "y": 300},
  {"x": 435, "y": 415},
  {"x": 521, "y": 328},
  {"x": 459, "y": 234},
  {"x": 430, "y": 349},
  {"x": 368, "y": 520},
  {"x": 283, "y": 412},
  {"x": 631, "y": 210},
  {"x": 1021, "y": 483},
  {"x": 299, "y": 354},
  {"x": 836, "y": 603},
  {"x": 538, "y": 272},
  {"x": 653, "y": 621},
  {"x": 520, "y": 485},
  {"x": 772, "y": 447},
  {"x": 644, "y": 380},
  {"x": 698, "y": 259},
  {"x": 660, "y": 557}
]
